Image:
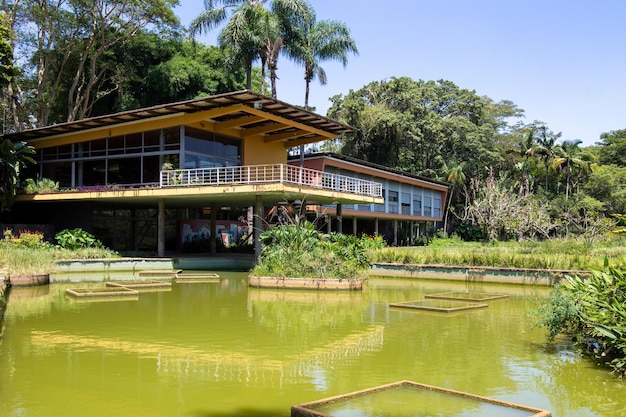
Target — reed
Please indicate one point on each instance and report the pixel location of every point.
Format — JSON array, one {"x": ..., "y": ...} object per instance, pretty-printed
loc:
[{"x": 568, "y": 254}]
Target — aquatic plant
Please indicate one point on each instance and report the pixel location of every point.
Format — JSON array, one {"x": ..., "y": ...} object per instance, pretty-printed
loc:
[
  {"x": 593, "y": 312},
  {"x": 301, "y": 251}
]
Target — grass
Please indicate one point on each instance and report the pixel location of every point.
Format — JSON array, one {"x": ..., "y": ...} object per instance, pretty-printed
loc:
[
  {"x": 19, "y": 260},
  {"x": 562, "y": 254}
]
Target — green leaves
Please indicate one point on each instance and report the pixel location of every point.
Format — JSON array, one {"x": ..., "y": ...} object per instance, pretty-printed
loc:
[
  {"x": 300, "y": 251},
  {"x": 73, "y": 239},
  {"x": 591, "y": 309}
]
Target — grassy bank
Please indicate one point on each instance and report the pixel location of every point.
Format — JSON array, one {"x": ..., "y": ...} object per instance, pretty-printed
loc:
[
  {"x": 41, "y": 260},
  {"x": 570, "y": 254}
]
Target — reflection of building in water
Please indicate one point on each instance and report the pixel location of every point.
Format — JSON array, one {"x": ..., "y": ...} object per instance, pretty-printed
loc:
[{"x": 242, "y": 367}]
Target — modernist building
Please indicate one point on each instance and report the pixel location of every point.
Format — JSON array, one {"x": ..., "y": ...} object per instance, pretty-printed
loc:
[
  {"x": 412, "y": 204},
  {"x": 159, "y": 178}
]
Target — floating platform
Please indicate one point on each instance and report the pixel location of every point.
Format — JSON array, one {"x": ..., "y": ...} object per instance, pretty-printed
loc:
[
  {"x": 103, "y": 294},
  {"x": 163, "y": 273},
  {"x": 467, "y": 296},
  {"x": 445, "y": 306},
  {"x": 197, "y": 277},
  {"x": 408, "y": 398},
  {"x": 150, "y": 285}
]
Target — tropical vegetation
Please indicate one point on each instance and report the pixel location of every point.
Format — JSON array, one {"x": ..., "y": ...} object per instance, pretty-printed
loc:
[
  {"x": 27, "y": 252},
  {"x": 592, "y": 311},
  {"x": 300, "y": 251}
]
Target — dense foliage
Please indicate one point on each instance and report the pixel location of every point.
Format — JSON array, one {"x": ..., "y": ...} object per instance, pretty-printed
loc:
[
  {"x": 593, "y": 312},
  {"x": 509, "y": 180},
  {"x": 27, "y": 252},
  {"x": 300, "y": 251}
]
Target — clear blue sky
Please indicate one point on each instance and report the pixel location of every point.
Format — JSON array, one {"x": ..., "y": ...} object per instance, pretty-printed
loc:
[{"x": 563, "y": 62}]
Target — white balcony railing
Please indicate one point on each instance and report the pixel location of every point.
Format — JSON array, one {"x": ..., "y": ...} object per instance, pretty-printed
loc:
[{"x": 264, "y": 174}]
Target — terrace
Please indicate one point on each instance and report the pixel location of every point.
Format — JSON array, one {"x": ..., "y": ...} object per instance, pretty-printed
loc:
[{"x": 268, "y": 174}]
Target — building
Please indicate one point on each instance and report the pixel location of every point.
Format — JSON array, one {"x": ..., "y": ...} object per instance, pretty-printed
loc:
[
  {"x": 412, "y": 204},
  {"x": 167, "y": 178}
]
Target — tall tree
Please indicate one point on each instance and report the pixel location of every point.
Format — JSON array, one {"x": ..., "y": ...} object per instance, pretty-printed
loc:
[
  {"x": 13, "y": 157},
  {"x": 251, "y": 31},
  {"x": 613, "y": 147},
  {"x": 456, "y": 177},
  {"x": 569, "y": 160},
  {"x": 416, "y": 126},
  {"x": 7, "y": 69},
  {"x": 71, "y": 44},
  {"x": 315, "y": 42},
  {"x": 544, "y": 148}
]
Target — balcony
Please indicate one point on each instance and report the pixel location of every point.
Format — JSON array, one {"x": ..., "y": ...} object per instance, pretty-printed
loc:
[{"x": 266, "y": 174}]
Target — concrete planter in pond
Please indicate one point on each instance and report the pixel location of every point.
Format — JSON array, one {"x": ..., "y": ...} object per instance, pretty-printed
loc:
[
  {"x": 29, "y": 280},
  {"x": 353, "y": 284}
]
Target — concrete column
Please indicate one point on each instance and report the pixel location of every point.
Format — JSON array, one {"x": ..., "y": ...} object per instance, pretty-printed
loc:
[
  {"x": 354, "y": 231},
  {"x": 161, "y": 228},
  {"x": 395, "y": 232},
  {"x": 213, "y": 240},
  {"x": 411, "y": 233},
  {"x": 329, "y": 224},
  {"x": 339, "y": 219},
  {"x": 376, "y": 226},
  {"x": 258, "y": 224}
]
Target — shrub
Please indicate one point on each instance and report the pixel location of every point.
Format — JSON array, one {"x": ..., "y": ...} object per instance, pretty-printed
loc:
[
  {"x": 300, "y": 251},
  {"x": 73, "y": 239},
  {"x": 43, "y": 185},
  {"x": 26, "y": 238},
  {"x": 593, "y": 312}
]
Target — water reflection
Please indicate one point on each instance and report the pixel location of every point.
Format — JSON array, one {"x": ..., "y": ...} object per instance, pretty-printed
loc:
[{"x": 216, "y": 349}]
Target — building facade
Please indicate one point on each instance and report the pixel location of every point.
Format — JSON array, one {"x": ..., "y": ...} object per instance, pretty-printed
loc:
[
  {"x": 189, "y": 176},
  {"x": 412, "y": 204}
]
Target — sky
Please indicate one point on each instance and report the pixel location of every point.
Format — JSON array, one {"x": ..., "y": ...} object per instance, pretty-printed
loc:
[{"x": 562, "y": 62}]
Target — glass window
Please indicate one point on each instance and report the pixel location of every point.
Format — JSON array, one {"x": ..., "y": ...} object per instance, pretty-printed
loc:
[
  {"x": 116, "y": 145},
  {"x": 151, "y": 168},
  {"x": 93, "y": 172},
  {"x": 133, "y": 143},
  {"x": 124, "y": 171},
  {"x": 417, "y": 205},
  {"x": 151, "y": 140}
]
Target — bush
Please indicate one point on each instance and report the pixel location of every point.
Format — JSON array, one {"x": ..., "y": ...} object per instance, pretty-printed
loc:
[
  {"x": 44, "y": 185},
  {"x": 593, "y": 312},
  {"x": 300, "y": 251},
  {"x": 26, "y": 239},
  {"x": 76, "y": 239}
]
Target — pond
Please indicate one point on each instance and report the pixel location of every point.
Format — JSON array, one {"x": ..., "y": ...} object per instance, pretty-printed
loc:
[{"x": 221, "y": 349}]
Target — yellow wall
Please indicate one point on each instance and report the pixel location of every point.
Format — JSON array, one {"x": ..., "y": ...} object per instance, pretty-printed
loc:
[{"x": 257, "y": 152}]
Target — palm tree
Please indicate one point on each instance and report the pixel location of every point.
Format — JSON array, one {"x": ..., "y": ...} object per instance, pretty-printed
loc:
[
  {"x": 326, "y": 40},
  {"x": 545, "y": 148},
  {"x": 569, "y": 157},
  {"x": 523, "y": 150},
  {"x": 252, "y": 32},
  {"x": 238, "y": 34},
  {"x": 13, "y": 157},
  {"x": 456, "y": 177}
]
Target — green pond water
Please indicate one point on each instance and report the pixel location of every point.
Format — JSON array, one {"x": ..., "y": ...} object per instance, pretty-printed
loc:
[{"x": 225, "y": 350}]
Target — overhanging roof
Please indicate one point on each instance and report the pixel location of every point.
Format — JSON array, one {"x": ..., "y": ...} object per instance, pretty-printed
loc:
[{"x": 239, "y": 114}]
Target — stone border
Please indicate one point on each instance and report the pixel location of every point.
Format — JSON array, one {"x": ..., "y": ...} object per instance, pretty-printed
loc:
[
  {"x": 307, "y": 409},
  {"x": 29, "y": 280},
  {"x": 474, "y": 273},
  {"x": 353, "y": 284}
]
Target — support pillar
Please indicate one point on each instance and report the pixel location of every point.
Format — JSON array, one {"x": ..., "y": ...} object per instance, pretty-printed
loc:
[
  {"x": 395, "y": 232},
  {"x": 258, "y": 225},
  {"x": 376, "y": 226},
  {"x": 329, "y": 224},
  {"x": 161, "y": 228},
  {"x": 354, "y": 226},
  {"x": 411, "y": 232},
  {"x": 213, "y": 240},
  {"x": 339, "y": 218}
]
